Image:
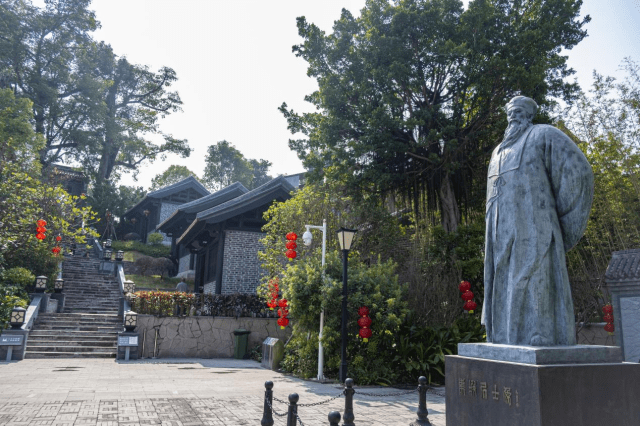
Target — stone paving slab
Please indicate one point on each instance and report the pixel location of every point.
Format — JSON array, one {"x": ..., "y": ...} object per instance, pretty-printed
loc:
[{"x": 179, "y": 392}]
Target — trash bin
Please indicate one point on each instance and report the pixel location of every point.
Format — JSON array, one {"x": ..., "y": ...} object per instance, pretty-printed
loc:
[{"x": 241, "y": 338}]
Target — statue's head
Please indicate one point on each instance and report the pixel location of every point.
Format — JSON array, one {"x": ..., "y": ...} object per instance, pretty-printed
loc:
[
  {"x": 520, "y": 113},
  {"x": 527, "y": 105}
]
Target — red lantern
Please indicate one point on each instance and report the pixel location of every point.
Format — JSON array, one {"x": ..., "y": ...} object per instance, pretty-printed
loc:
[
  {"x": 609, "y": 328},
  {"x": 464, "y": 286},
  {"x": 56, "y": 250},
  {"x": 283, "y": 313},
  {"x": 607, "y": 309},
  {"x": 41, "y": 229},
  {"x": 608, "y": 318},
  {"x": 365, "y": 333},
  {"x": 292, "y": 236},
  {"x": 272, "y": 304},
  {"x": 58, "y": 238},
  {"x": 283, "y": 322},
  {"x": 365, "y": 322},
  {"x": 291, "y": 254},
  {"x": 40, "y": 236},
  {"x": 42, "y": 223},
  {"x": 364, "y": 311},
  {"x": 282, "y": 303},
  {"x": 291, "y": 245},
  {"x": 470, "y": 306},
  {"x": 467, "y": 295}
]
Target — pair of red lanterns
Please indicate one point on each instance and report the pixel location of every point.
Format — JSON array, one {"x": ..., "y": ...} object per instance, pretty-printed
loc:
[
  {"x": 365, "y": 324},
  {"x": 291, "y": 245},
  {"x": 607, "y": 310},
  {"x": 467, "y": 296}
]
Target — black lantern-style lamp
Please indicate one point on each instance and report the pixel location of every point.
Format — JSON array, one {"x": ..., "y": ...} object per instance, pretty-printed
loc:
[
  {"x": 345, "y": 237},
  {"x": 119, "y": 255},
  {"x": 107, "y": 254},
  {"x": 17, "y": 318},
  {"x": 59, "y": 285},
  {"x": 129, "y": 287},
  {"x": 41, "y": 284},
  {"x": 108, "y": 243},
  {"x": 130, "y": 320}
]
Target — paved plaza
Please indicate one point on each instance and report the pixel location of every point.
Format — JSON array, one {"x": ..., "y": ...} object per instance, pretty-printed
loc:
[{"x": 179, "y": 392}]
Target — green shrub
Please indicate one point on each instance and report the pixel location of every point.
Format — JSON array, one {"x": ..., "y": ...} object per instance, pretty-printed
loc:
[
  {"x": 20, "y": 277},
  {"x": 10, "y": 297},
  {"x": 155, "y": 239},
  {"x": 154, "y": 251}
]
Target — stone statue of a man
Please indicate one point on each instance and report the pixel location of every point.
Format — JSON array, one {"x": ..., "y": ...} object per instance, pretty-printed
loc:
[{"x": 539, "y": 193}]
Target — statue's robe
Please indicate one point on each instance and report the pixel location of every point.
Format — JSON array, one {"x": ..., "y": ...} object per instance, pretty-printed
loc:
[{"x": 539, "y": 193}]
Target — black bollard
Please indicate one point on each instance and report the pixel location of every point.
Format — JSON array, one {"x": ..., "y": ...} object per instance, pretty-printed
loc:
[
  {"x": 348, "y": 416},
  {"x": 334, "y": 418},
  {"x": 293, "y": 410},
  {"x": 267, "y": 418},
  {"x": 422, "y": 404}
]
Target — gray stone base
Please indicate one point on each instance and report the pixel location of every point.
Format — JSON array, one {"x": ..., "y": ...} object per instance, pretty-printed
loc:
[
  {"x": 543, "y": 355},
  {"x": 489, "y": 393}
]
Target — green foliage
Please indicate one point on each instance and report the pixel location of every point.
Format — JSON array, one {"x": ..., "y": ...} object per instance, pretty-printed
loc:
[
  {"x": 148, "y": 250},
  {"x": 224, "y": 165},
  {"x": 161, "y": 303},
  {"x": 155, "y": 238},
  {"x": 604, "y": 123},
  {"x": 438, "y": 262},
  {"x": 375, "y": 286},
  {"x": 19, "y": 277},
  {"x": 106, "y": 196},
  {"x": 411, "y": 93},
  {"x": 10, "y": 297},
  {"x": 173, "y": 174}
]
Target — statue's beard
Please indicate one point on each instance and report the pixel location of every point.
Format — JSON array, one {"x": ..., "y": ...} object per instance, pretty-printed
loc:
[{"x": 515, "y": 129}]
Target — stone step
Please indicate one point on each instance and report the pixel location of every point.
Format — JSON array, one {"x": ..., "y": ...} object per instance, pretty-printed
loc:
[
  {"x": 52, "y": 335},
  {"x": 110, "y": 328},
  {"x": 68, "y": 344},
  {"x": 60, "y": 323},
  {"x": 43, "y": 354},
  {"x": 78, "y": 317}
]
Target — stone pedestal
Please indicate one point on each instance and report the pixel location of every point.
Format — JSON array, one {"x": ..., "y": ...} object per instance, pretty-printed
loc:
[{"x": 538, "y": 392}]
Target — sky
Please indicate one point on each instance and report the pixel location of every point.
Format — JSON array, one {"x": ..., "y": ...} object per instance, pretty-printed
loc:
[{"x": 235, "y": 66}]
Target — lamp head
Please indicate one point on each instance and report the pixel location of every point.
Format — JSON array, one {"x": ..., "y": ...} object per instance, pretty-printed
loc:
[{"x": 307, "y": 238}]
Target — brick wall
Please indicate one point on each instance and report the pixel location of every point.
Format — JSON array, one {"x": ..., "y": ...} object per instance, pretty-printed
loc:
[{"x": 241, "y": 270}]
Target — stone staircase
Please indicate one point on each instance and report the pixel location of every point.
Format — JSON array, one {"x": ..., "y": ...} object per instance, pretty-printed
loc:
[{"x": 89, "y": 323}]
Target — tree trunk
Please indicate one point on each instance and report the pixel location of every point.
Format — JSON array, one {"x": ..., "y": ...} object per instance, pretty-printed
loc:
[{"x": 448, "y": 205}]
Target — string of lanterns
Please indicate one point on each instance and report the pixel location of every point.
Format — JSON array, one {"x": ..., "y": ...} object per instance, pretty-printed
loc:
[
  {"x": 282, "y": 304},
  {"x": 607, "y": 310},
  {"x": 283, "y": 313},
  {"x": 56, "y": 249},
  {"x": 273, "y": 292},
  {"x": 467, "y": 296},
  {"x": 291, "y": 245},
  {"x": 365, "y": 324}
]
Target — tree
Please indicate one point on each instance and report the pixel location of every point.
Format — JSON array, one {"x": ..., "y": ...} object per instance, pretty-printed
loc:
[
  {"x": 411, "y": 93},
  {"x": 226, "y": 165},
  {"x": 42, "y": 58},
  {"x": 92, "y": 106},
  {"x": 606, "y": 125},
  {"x": 173, "y": 174}
]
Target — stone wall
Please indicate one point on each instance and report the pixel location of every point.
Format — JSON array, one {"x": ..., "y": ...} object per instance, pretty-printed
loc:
[
  {"x": 165, "y": 211},
  {"x": 241, "y": 270},
  {"x": 183, "y": 267},
  {"x": 203, "y": 337}
]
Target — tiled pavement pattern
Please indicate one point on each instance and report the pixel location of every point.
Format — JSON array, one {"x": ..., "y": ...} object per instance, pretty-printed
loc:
[{"x": 102, "y": 392}]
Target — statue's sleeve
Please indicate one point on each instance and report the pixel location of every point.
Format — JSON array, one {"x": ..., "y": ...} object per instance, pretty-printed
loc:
[{"x": 572, "y": 181}]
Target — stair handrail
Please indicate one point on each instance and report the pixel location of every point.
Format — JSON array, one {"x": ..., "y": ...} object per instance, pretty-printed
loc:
[
  {"x": 97, "y": 248},
  {"x": 124, "y": 305},
  {"x": 32, "y": 312}
]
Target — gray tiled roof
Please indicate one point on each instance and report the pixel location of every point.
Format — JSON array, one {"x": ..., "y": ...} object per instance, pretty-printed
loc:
[
  {"x": 225, "y": 194},
  {"x": 624, "y": 266},
  {"x": 267, "y": 193},
  {"x": 184, "y": 184}
]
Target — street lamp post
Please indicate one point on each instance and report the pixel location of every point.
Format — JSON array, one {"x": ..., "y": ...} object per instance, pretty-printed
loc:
[
  {"x": 308, "y": 238},
  {"x": 345, "y": 237}
]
